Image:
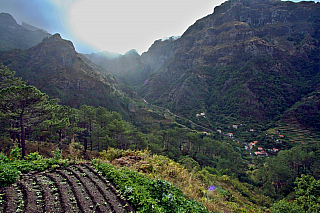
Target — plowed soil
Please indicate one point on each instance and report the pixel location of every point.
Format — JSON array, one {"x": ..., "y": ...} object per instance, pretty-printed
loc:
[{"x": 77, "y": 188}]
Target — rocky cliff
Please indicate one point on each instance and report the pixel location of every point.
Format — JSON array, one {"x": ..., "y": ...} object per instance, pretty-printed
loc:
[{"x": 249, "y": 58}]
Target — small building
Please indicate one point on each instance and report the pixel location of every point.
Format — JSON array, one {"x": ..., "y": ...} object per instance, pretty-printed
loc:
[
  {"x": 235, "y": 126},
  {"x": 219, "y": 130},
  {"x": 230, "y": 135},
  {"x": 260, "y": 148},
  {"x": 262, "y": 153}
]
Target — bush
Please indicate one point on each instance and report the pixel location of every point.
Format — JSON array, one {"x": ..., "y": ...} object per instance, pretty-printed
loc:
[
  {"x": 148, "y": 195},
  {"x": 284, "y": 206},
  {"x": 3, "y": 158},
  {"x": 15, "y": 153}
]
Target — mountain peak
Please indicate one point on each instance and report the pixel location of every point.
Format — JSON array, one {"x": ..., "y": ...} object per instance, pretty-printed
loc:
[
  {"x": 7, "y": 20},
  {"x": 233, "y": 3},
  {"x": 132, "y": 52},
  {"x": 56, "y": 36}
]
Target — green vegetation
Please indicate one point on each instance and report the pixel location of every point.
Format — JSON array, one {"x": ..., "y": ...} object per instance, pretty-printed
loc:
[
  {"x": 13, "y": 166},
  {"x": 159, "y": 184},
  {"x": 148, "y": 195}
]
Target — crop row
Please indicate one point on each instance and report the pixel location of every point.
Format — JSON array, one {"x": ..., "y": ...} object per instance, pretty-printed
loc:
[{"x": 77, "y": 188}]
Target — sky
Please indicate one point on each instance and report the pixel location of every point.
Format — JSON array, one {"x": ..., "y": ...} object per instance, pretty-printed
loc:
[{"x": 110, "y": 25}]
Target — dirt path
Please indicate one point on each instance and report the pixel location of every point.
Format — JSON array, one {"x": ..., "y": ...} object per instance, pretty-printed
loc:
[{"x": 77, "y": 188}]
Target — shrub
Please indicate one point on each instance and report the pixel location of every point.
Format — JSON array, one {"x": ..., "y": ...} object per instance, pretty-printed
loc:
[
  {"x": 284, "y": 206},
  {"x": 15, "y": 153},
  {"x": 148, "y": 195}
]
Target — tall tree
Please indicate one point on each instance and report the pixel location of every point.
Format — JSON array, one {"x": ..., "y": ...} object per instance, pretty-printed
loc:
[
  {"x": 24, "y": 104},
  {"x": 86, "y": 120},
  {"x": 8, "y": 79},
  {"x": 59, "y": 121}
]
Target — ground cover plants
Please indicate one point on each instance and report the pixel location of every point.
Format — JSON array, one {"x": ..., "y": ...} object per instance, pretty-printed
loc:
[
  {"x": 148, "y": 195},
  {"x": 131, "y": 181},
  {"x": 37, "y": 184},
  {"x": 187, "y": 177}
]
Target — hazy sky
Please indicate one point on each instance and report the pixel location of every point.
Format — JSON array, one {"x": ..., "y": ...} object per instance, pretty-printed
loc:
[{"x": 111, "y": 25}]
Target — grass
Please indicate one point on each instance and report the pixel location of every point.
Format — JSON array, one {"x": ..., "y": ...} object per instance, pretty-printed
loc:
[
  {"x": 152, "y": 183},
  {"x": 230, "y": 194}
]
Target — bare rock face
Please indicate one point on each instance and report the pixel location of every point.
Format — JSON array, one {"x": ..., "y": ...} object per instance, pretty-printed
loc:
[
  {"x": 60, "y": 49},
  {"x": 231, "y": 55}
]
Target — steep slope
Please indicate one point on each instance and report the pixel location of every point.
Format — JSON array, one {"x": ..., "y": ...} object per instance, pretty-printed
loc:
[
  {"x": 54, "y": 67},
  {"x": 128, "y": 67},
  {"x": 15, "y": 36},
  {"x": 250, "y": 58}
]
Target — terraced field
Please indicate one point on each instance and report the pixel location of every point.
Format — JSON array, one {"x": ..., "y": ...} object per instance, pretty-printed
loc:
[{"x": 77, "y": 188}]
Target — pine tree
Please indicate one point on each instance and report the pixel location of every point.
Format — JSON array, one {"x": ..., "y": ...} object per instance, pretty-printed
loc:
[{"x": 24, "y": 104}]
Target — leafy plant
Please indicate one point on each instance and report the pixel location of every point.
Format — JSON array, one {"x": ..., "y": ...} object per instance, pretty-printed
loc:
[
  {"x": 15, "y": 153},
  {"x": 148, "y": 195},
  {"x": 3, "y": 158},
  {"x": 284, "y": 206},
  {"x": 57, "y": 154},
  {"x": 33, "y": 156}
]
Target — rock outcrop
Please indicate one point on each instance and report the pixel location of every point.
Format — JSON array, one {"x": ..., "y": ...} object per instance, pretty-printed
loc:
[{"x": 251, "y": 58}]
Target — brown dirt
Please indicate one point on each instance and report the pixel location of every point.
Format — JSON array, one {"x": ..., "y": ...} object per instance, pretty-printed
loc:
[{"x": 77, "y": 188}]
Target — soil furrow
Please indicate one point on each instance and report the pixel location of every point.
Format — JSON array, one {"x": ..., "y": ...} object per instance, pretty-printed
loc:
[
  {"x": 82, "y": 197},
  {"x": 97, "y": 197},
  {"x": 65, "y": 193},
  {"x": 51, "y": 199},
  {"x": 11, "y": 198},
  {"x": 77, "y": 188},
  {"x": 2, "y": 200},
  {"x": 111, "y": 192},
  {"x": 32, "y": 203},
  {"x": 103, "y": 188}
]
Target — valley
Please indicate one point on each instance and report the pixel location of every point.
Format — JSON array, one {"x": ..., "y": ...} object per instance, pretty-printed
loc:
[{"x": 231, "y": 104}]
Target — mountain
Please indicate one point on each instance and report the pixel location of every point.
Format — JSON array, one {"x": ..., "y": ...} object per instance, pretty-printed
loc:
[
  {"x": 249, "y": 59},
  {"x": 31, "y": 28},
  {"x": 54, "y": 67},
  {"x": 128, "y": 67},
  {"x": 15, "y": 36}
]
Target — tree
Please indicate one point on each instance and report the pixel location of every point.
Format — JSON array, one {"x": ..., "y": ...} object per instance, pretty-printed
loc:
[
  {"x": 308, "y": 189},
  {"x": 8, "y": 79},
  {"x": 23, "y": 104},
  {"x": 59, "y": 121},
  {"x": 86, "y": 119}
]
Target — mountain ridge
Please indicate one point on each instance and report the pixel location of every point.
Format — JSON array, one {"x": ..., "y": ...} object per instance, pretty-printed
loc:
[
  {"x": 247, "y": 36},
  {"x": 54, "y": 67},
  {"x": 15, "y": 36}
]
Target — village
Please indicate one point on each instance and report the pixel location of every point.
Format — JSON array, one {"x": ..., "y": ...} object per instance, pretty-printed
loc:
[{"x": 253, "y": 148}]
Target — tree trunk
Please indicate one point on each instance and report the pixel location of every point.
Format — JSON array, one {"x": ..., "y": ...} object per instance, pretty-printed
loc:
[
  {"x": 85, "y": 144},
  {"x": 23, "y": 142}
]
